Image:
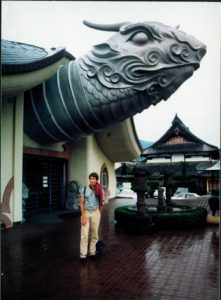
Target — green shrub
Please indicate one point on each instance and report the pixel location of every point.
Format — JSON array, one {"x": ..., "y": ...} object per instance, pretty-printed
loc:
[{"x": 189, "y": 218}]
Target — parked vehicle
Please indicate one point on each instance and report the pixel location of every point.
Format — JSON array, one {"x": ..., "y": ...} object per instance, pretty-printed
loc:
[
  {"x": 155, "y": 194},
  {"x": 125, "y": 191},
  {"x": 181, "y": 190},
  {"x": 183, "y": 196},
  {"x": 126, "y": 194}
]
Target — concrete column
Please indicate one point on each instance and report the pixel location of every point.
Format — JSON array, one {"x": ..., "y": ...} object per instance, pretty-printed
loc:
[
  {"x": 78, "y": 162},
  {"x": 7, "y": 186},
  {"x": 18, "y": 157}
]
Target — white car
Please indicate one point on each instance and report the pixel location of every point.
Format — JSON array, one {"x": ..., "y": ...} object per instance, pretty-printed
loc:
[
  {"x": 181, "y": 190},
  {"x": 126, "y": 193},
  {"x": 183, "y": 196}
]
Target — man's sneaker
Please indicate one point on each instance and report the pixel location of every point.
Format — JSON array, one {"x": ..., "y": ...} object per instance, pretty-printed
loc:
[
  {"x": 93, "y": 257},
  {"x": 83, "y": 259}
]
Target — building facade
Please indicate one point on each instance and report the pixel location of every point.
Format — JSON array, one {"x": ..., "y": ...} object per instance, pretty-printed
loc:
[{"x": 35, "y": 175}]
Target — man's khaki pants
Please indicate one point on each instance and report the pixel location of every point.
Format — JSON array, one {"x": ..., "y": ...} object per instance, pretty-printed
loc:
[{"x": 91, "y": 227}]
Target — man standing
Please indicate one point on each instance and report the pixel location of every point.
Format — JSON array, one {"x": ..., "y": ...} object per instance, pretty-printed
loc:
[{"x": 91, "y": 206}]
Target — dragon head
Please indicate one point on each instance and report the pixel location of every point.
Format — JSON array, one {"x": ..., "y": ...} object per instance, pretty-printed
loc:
[
  {"x": 140, "y": 65},
  {"x": 149, "y": 57}
]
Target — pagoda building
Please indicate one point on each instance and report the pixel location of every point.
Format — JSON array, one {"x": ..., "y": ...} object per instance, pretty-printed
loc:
[{"x": 185, "y": 155}]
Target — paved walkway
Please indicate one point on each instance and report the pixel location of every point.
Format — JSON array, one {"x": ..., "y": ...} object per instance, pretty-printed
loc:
[{"x": 40, "y": 260}]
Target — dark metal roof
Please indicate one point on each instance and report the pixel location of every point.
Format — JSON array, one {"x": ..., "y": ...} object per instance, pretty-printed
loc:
[
  {"x": 207, "y": 166},
  {"x": 192, "y": 145},
  {"x": 19, "y": 57},
  {"x": 204, "y": 165}
]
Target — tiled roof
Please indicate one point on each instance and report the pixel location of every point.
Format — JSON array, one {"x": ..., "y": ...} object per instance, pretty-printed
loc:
[{"x": 19, "y": 57}]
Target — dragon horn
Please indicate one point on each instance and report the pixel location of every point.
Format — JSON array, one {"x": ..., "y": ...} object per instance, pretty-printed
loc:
[{"x": 107, "y": 27}]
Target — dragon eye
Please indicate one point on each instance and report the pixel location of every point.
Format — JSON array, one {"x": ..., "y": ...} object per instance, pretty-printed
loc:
[{"x": 140, "y": 38}]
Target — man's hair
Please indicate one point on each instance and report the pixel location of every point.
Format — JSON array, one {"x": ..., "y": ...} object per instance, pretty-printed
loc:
[{"x": 94, "y": 174}]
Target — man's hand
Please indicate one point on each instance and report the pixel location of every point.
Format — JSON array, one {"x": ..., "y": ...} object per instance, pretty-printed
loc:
[
  {"x": 83, "y": 217},
  {"x": 83, "y": 220},
  {"x": 101, "y": 209}
]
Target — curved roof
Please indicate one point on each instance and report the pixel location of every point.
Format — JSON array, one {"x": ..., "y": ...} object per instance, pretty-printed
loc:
[
  {"x": 25, "y": 66},
  {"x": 20, "y": 57},
  {"x": 178, "y": 139}
]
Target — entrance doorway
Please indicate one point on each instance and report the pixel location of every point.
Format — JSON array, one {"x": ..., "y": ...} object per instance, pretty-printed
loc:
[{"x": 45, "y": 179}]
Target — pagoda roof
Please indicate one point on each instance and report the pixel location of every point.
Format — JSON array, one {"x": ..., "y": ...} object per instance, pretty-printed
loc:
[{"x": 178, "y": 139}]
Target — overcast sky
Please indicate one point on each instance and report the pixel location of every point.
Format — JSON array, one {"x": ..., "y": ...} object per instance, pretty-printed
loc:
[{"x": 196, "y": 102}]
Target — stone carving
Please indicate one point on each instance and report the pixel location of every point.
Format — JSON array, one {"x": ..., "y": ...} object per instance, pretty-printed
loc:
[
  {"x": 73, "y": 196},
  {"x": 142, "y": 64}
]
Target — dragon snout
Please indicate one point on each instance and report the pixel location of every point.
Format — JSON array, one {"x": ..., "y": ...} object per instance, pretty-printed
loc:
[
  {"x": 201, "y": 52},
  {"x": 199, "y": 55}
]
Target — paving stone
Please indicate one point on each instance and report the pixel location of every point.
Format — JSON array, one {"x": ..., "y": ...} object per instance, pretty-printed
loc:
[{"x": 40, "y": 260}]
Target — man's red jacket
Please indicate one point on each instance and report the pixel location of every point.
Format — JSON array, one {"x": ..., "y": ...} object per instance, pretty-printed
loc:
[{"x": 98, "y": 189}]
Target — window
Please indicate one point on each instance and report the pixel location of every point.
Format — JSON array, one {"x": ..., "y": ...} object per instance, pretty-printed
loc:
[{"x": 104, "y": 177}]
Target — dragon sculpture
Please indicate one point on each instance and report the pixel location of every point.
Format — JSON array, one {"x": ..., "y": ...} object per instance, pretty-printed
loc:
[{"x": 140, "y": 65}]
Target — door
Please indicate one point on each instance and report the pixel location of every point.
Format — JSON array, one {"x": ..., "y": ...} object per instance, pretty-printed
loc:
[{"x": 45, "y": 179}]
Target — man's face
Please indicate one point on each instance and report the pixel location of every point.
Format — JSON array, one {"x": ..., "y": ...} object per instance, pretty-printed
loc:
[{"x": 92, "y": 180}]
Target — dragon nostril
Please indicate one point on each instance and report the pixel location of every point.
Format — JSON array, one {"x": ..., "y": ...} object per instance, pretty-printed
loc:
[{"x": 201, "y": 52}]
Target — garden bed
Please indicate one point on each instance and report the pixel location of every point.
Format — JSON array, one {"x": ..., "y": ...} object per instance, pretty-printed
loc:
[{"x": 180, "y": 217}]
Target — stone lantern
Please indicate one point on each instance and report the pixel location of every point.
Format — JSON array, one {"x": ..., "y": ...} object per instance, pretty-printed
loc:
[{"x": 139, "y": 186}]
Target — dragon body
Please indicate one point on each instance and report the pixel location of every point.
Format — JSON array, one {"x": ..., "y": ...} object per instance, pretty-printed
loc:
[{"x": 140, "y": 65}]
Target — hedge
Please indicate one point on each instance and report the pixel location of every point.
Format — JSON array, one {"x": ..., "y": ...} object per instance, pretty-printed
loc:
[{"x": 126, "y": 216}]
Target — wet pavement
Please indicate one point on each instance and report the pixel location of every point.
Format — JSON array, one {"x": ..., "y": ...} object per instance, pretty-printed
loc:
[{"x": 40, "y": 260}]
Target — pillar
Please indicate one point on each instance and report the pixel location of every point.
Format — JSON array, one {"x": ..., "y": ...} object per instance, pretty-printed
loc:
[{"x": 18, "y": 157}]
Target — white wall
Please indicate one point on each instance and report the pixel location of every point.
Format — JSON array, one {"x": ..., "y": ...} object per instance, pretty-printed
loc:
[
  {"x": 159, "y": 160},
  {"x": 96, "y": 161},
  {"x": 197, "y": 158},
  {"x": 53, "y": 147},
  {"x": 177, "y": 157},
  {"x": 78, "y": 161},
  {"x": 86, "y": 157}
]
